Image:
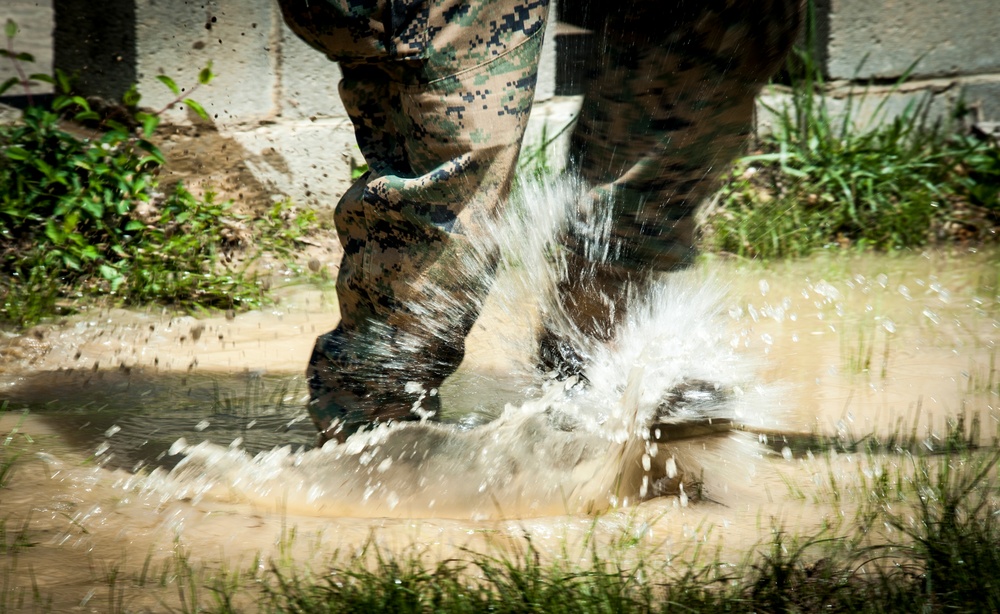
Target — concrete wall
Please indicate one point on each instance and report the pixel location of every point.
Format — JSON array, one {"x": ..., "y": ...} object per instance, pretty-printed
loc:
[
  {"x": 34, "y": 18},
  {"x": 882, "y": 39},
  {"x": 949, "y": 49},
  {"x": 275, "y": 100}
]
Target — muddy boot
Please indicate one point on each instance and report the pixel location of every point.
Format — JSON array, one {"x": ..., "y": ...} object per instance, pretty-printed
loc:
[
  {"x": 558, "y": 358},
  {"x": 693, "y": 408},
  {"x": 380, "y": 375},
  {"x": 592, "y": 301}
]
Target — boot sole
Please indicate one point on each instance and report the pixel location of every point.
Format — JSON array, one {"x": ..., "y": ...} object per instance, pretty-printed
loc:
[{"x": 663, "y": 432}]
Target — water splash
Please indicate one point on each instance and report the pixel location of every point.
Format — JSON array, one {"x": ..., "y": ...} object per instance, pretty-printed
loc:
[{"x": 584, "y": 444}]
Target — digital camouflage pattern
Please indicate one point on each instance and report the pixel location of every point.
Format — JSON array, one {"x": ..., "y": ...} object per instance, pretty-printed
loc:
[
  {"x": 439, "y": 92},
  {"x": 668, "y": 104}
]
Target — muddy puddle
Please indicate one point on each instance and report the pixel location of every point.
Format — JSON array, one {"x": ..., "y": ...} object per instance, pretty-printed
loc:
[{"x": 145, "y": 435}]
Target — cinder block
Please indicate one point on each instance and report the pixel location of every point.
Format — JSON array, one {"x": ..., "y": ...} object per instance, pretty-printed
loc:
[
  {"x": 881, "y": 39},
  {"x": 310, "y": 162},
  {"x": 982, "y": 96},
  {"x": 178, "y": 37},
  {"x": 936, "y": 101},
  {"x": 95, "y": 43},
  {"x": 112, "y": 44},
  {"x": 309, "y": 81},
  {"x": 550, "y": 126},
  {"x": 863, "y": 108},
  {"x": 545, "y": 87},
  {"x": 34, "y": 36}
]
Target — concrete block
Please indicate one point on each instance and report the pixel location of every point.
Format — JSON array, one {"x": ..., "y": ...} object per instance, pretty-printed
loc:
[
  {"x": 95, "y": 43},
  {"x": 550, "y": 126},
  {"x": 309, "y": 81},
  {"x": 112, "y": 44},
  {"x": 982, "y": 96},
  {"x": 545, "y": 87},
  {"x": 863, "y": 109},
  {"x": 868, "y": 106},
  {"x": 885, "y": 37},
  {"x": 178, "y": 37},
  {"x": 310, "y": 162},
  {"x": 35, "y": 22}
]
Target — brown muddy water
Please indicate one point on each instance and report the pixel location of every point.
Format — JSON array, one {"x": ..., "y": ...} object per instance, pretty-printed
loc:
[{"x": 147, "y": 435}]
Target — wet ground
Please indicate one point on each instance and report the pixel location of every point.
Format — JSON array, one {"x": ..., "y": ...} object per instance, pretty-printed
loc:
[{"x": 836, "y": 353}]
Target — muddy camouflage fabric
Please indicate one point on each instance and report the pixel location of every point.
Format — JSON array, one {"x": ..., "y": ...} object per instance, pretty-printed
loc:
[
  {"x": 439, "y": 93},
  {"x": 668, "y": 104}
]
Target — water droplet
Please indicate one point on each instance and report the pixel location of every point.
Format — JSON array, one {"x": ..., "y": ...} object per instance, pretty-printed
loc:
[
  {"x": 764, "y": 287},
  {"x": 413, "y": 388},
  {"x": 930, "y": 315},
  {"x": 177, "y": 447},
  {"x": 201, "y": 426},
  {"x": 905, "y": 292},
  {"x": 671, "y": 467},
  {"x": 786, "y": 453},
  {"x": 112, "y": 431}
]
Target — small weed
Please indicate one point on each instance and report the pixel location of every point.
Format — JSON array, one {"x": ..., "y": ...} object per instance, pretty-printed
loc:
[
  {"x": 535, "y": 161},
  {"x": 858, "y": 357},
  {"x": 954, "y": 532},
  {"x": 822, "y": 180},
  {"x": 15, "y": 541},
  {"x": 9, "y": 453},
  {"x": 286, "y": 225},
  {"x": 188, "y": 581},
  {"x": 81, "y": 213},
  {"x": 983, "y": 379}
]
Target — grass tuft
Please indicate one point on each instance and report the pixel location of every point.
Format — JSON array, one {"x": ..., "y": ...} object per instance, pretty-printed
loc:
[{"x": 825, "y": 178}]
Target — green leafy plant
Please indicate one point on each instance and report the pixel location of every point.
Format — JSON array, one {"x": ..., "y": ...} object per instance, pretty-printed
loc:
[
  {"x": 81, "y": 212},
  {"x": 979, "y": 172}
]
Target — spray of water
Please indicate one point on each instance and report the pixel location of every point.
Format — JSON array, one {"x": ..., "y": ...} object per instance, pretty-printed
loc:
[{"x": 584, "y": 444}]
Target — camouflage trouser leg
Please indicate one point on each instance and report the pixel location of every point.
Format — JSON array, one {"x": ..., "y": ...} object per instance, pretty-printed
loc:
[
  {"x": 439, "y": 111},
  {"x": 667, "y": 107}
]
